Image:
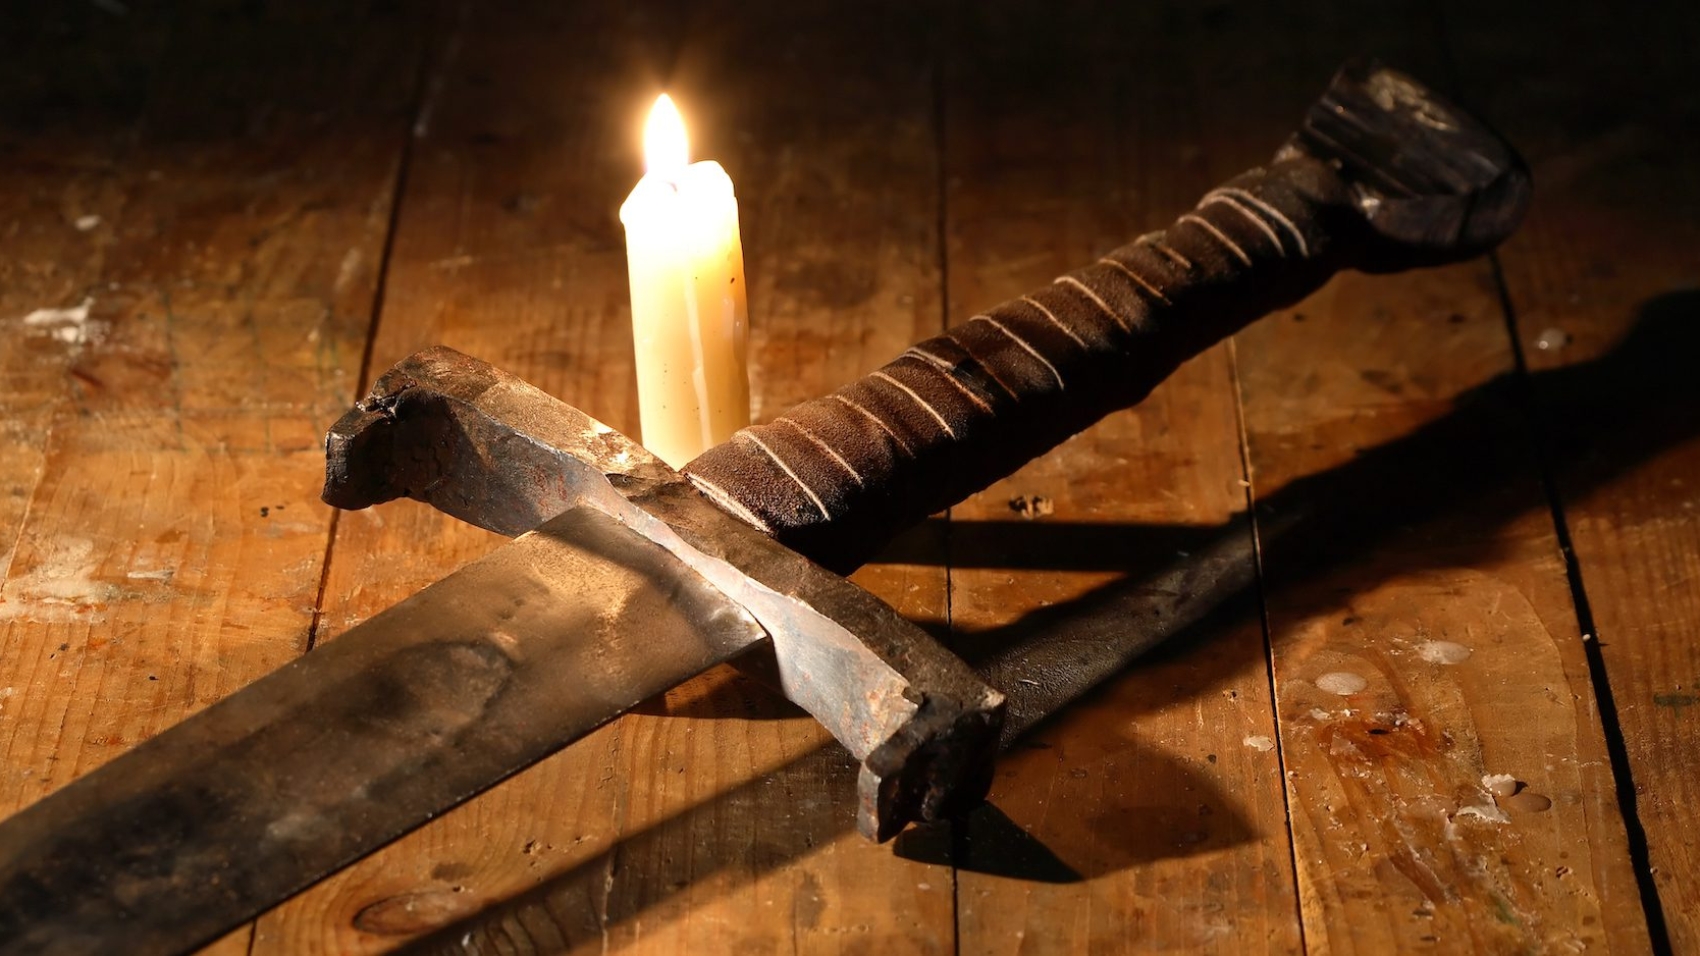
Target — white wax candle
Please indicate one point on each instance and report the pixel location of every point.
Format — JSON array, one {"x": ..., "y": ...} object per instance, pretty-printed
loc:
[{"x": 689, "y": 313}]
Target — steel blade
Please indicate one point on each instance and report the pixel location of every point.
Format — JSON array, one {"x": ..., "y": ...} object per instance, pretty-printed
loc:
[
  {"x": 491, "y": 449},
  {"x": 414, "y": 711}
]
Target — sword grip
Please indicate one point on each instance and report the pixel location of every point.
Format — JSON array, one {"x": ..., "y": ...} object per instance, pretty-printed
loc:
[
  {"x": 1382, "y": 175},
  {"x": 836, "y": 477}
]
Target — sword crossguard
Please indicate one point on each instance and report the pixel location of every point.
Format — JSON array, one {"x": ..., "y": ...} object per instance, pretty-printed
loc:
[{"x": 486, "y": 447}]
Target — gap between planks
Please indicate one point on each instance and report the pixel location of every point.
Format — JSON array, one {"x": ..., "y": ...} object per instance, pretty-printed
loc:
[
  {"x": 1611, "y": 725},
  {"x": 1540, "y": 438},
  {"x": 1254, "y": 529},
  {"x": 956, "y": 844},
  {"x": 427, "y": 77}
]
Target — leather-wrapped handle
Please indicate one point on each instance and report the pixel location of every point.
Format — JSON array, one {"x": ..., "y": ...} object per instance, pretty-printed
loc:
[
  {"x": 1383, "y": 175},
  {"x": 835, "y": 477}
]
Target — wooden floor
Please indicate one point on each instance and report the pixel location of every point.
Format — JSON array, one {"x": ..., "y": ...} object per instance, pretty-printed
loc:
[{"x": 1474, "y": 493}]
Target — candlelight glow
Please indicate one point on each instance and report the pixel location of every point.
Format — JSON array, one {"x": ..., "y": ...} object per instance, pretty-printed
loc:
[
  {"x": 689, "y": 313},
  {"x": 665, "y": 151}
]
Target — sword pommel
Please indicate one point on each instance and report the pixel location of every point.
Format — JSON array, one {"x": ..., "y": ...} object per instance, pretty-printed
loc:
[
  {"x": 1383, "y": 174},
  {"x": 1433, "y": 183}
]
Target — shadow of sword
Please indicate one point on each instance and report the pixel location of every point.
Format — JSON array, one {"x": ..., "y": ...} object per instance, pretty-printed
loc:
[{"x": 1618, "y": 411}]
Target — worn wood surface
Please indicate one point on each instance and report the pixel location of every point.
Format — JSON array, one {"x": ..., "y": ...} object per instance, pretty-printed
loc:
[
  {"x": 1601, "y": 288},
  {"x": 204, "y": 201},
  {"x": 1418, "y": 607},
  {"x": 1175, "y": 758},
  {"x": 216, "y": 184},
  {"x": 670, "y": 831}
]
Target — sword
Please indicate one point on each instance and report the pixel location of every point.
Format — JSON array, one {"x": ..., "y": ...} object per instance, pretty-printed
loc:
[{"x": 627, "y": 578}]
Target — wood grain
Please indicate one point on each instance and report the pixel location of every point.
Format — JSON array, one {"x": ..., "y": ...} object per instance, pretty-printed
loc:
[
  {"x": 832, "y": 145},
  {"x": 1149, "y": 817},
  {"x": 215, "y": 183},
  {"x": 1601, "y": 283},
  {"x": 1419, "y": 613},
  {"x": 497, "y": 252},
  {"x": 726, "y": 824},
  {"x": 167, "y": 535},
  {"x": 62, "y": 136}
]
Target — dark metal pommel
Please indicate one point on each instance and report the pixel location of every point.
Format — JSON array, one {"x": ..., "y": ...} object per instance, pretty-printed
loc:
[
  {"x": 1434, "y": 183},
  {"x": 1381, "y": 175}
]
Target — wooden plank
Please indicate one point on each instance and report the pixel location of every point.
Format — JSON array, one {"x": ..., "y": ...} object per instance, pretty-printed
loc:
[
  {"x": 207, "y": 211},
  {"x": 1401, "y": 506},
  {"x": 1150, "y": 816},
  {"x": 725, "y": 824},
  {"x": 842, "y": 245},
  {"x": 63, "y": 129},
  {"x": 1601, "y": 283},
  {"x": 499, "y": 252},
  {"x": 1419, "y": 614}
]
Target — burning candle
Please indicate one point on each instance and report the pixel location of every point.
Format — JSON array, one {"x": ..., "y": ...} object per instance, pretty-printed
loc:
[{"x": 689, "y": 315}]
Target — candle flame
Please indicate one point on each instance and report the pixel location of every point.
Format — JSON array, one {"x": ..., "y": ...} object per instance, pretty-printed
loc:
[{"x": 665, "y": 150}]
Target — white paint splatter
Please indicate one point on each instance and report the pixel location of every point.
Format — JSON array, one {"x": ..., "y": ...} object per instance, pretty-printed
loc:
[
  {"x": 347, "y": 270},
  {"x": 85, "y": 223},
  {"x": 1487, "y": 814},
  {"x": 1499, "y": 784},
  {"x": 71, "y": 326},
  {"x": 1343, "y": 683},
  {"x": 78, "y": 313},
  {"x": 1443, "y": 652},
  {"x": 1260, "y": 743},
  {"x": 58, "y": 588},
  {"x": 156, "y": 574}
]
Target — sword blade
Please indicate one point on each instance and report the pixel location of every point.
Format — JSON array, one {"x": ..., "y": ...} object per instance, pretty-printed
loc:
[{"x": 408, "y": 714}]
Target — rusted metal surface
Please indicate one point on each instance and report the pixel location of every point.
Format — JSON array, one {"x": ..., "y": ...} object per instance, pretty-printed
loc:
[
  {"x": 488, "y": 448},
  {"x": 520, "y": 454}
]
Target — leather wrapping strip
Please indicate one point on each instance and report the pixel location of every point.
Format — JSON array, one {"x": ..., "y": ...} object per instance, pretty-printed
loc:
[{"x": 836, "y": 477}]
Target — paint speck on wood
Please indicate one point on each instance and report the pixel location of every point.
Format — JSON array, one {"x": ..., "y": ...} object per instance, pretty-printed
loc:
[
  {"x": 1343, "y": 683},
  {"x": 1500, "y": 784},
  {"x": 1443, "y": 652}
]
